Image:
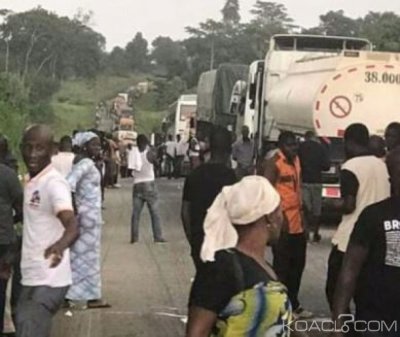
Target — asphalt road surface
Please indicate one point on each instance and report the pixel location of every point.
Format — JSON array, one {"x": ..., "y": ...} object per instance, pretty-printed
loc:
[{"x": 147, "y": 284}]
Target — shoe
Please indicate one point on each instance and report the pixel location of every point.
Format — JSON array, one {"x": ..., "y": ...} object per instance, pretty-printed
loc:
[
  {"x": 67, "y": 304},
  {"x": 134, "y": 241},
  {"x": 317, "y": 238},
  {"x": 301, "y": 313},
  {"x": 98, "y": 304},
  {"x": 160, "y": 241}
]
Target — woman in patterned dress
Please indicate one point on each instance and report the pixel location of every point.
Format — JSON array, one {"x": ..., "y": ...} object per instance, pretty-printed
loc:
[
  {"x": 85, "y": 181},
  {"x": 237, "y": 293}
]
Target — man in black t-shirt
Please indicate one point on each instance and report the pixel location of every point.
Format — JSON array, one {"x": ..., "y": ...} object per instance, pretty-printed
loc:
[
  {"x": 314, "y": 159},
  {"x": 202, "y": 186},
  {"x": 371, "y": 267}
]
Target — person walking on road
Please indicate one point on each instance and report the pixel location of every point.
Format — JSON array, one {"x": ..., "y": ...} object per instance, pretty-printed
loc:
[
  {"x": 170, "y": 149},
  {"x": 371, "y": 266},
  {"x": 314, "y": 159},
  {"x": 202, "y": 186},
  {"x": 50, "y": 228},
  {"x": 11, "y": 200},
  {"x": 364, "y": 181},
  {"x": 181, "y": 150},
  {"x": 243, "y": 153},
  {"x": 85, "y": 182},
  {"x": 282, "y": 169},
  {"x": 237, "y": 293},
  {"x": 64, "y": 159},
  {"x": 194, "y": 152},
  {"x": 145, "y": 191}
]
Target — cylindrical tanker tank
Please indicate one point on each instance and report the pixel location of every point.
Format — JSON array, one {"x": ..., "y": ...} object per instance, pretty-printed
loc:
[{"x": 328, "y": 94}]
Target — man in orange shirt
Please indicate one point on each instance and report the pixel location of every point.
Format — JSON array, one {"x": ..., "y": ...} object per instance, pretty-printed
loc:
[{"x": 282, "y": 169}]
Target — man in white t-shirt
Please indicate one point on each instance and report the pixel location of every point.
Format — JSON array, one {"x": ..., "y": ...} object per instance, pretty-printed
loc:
[
  {"x": 64, "y": 159},
  {"x": 364, "y": 181},
  {"x": 145, "y": 191},
  {"x": 170, "y": 149},
  {"x": 50, "y": 228},
  {"x": 182, "y": 148}
]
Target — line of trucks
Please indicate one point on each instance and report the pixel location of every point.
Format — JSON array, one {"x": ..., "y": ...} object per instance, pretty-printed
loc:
[
  {"x": 305, "y": 83},
  {"x": 117, "y": 118}
]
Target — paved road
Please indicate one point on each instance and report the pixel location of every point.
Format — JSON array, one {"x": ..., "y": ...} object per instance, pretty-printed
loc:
[{"x": 148, "y": 284}]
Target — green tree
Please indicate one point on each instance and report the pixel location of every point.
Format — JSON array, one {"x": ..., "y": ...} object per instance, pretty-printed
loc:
[
  {"x": 269, "y": 18},
  {"x": 271, "y": 15},
  {"x": 338, "y": 24},
  {"x": 116, "y": 62},
  {"x": 40, "y": 42},
  {"x": 136, "y": 53},
  {"x": 382, "y": 29},
  {"x": 14, "y": 103},
  {"x": 170, "y": 56},
  {"x": 168, "y": 91},
  {"x": 231, "y": 12}
]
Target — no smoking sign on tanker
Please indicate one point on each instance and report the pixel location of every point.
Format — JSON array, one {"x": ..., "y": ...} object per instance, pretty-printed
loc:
[
  {"x": 366, "y": 92},
  {"x": 340, "y": 106}
]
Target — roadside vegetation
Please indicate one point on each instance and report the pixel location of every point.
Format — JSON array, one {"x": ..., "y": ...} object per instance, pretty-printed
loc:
[{"x": 55, "y": 69}]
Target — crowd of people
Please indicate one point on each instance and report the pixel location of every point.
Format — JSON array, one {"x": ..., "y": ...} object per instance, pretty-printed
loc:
[
  {"x": 54, "y": 258},
  {"x": 229, "y": 217},
  {"x": 232, "y": 208}
]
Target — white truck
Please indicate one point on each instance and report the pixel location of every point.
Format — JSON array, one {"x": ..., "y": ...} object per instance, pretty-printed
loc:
[
  {"x": 324, "y": 84},
  {"x": 185, "y": 115}
]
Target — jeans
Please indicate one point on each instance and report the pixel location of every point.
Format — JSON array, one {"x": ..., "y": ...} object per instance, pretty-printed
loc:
[
  {"x": 36, "y": 308},
  {"x": 289, "y": 263},
  {"x": 178, "y": 166},
  {"x": 170, "y": 166},
  {"x": 145, "y": 193}
]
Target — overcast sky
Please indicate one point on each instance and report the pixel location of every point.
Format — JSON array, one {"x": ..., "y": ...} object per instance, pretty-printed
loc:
[{"x": 119, "y": 20}]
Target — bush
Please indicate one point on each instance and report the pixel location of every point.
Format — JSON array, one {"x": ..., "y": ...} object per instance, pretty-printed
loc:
[
  {"x": 12, "y": 124},
  {"x": 41, "y": 113}
]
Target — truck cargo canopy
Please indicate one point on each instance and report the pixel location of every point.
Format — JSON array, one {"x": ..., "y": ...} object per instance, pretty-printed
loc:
[{"x": 214, "y": 93}]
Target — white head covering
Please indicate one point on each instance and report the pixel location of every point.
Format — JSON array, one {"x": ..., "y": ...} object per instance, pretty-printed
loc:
[
  {"x": 81, "y": 138},
  {"x": 239, "y": 204}
]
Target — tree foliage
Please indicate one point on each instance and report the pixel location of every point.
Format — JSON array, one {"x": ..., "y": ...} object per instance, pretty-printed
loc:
[
  {"x": 170, "y": 56},
  {"x": 40, "y": 42},
  {"x": 39, "y": 49},
  {"x": 336, "y": 23},
  {"x": 231, "y": 12},
  {"x": 137, "y": 53}
]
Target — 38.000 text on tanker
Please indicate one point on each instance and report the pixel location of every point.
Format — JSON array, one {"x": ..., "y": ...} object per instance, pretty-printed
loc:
[{"x": 385, "y": 78}]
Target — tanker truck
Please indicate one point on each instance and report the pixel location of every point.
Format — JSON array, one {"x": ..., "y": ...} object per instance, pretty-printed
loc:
[
  {"x": 324, "y": 84},
  {"x": 296, "y": 69}
]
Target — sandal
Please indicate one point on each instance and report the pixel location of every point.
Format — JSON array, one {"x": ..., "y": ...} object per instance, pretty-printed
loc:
[{"x": 98, "y": 304}]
